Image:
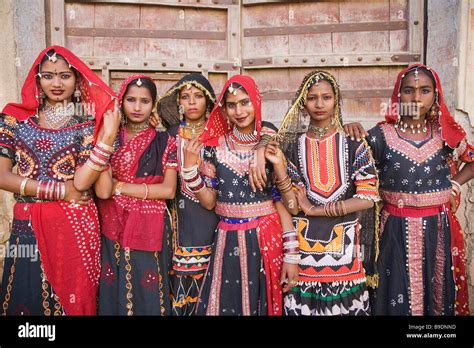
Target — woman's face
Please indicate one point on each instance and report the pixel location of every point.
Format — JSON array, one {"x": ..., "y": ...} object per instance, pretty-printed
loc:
[
  {"x": 57, "y": 81},
  {"x": 321, "y": 102},
  {"x": 137, "y": 104},
  {"x": 240, "y": 111},
  {"x": 194, "y": 103},
  {"x": 416, "y": 94}
]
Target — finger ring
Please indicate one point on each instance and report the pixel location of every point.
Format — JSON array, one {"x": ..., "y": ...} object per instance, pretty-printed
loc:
[{"x": 72, "y": 201}]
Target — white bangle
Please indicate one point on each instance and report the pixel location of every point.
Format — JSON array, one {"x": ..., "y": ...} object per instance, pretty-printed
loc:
[{"x": 456, "y": 184}]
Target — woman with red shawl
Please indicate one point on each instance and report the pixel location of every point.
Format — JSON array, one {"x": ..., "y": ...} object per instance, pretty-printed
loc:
[
  {"x": 135, "y": 221},
  {"x": 421, "y": 264},
  {"x": 50, "y": 137},
  {"x": 245, "y": 271}
]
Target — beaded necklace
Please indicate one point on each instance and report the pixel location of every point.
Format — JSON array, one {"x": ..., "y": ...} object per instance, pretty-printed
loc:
[{"x": 58, "y": 116}]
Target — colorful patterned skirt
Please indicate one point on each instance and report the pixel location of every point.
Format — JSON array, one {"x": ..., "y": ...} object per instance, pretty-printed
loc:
[
  {"x": 189, "y": 266},
  {"x": 25, "y": 289},
  {"x": 414, "y": 265},
  {"x": 135, "y": 282},
  {"x": 234, "y": 283},
  {"x": 327, "y": 299}
]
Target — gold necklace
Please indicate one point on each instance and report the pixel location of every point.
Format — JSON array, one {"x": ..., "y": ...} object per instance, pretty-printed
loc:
[
  {"x": 190, "y": 130},
  {"x": 320, "y": 132},
  {"x": 137, "y": 127}
]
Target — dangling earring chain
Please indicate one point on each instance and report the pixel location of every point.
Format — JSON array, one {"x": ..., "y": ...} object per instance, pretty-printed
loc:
[
  {"x": 58, "y": 116},
  {"x": 414, "y": 128},
  {"x": 242, "y": 138}
]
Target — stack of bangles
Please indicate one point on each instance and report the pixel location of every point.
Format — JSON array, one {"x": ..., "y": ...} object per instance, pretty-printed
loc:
[
  {"x": 291, "y": 247},
  {"x": 456, "y": 188},
  {"x": 284, "y": 185},
  {"x": 335, "y": 209},
  {"x": 48, "y": 190},
  {"x": 99, "y": 157},
  {"x": 192, "y": 179}
]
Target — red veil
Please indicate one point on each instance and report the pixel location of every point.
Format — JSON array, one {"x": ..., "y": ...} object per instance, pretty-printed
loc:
[
  {"x": 68, "y": 237},
  {"x": 217, "y": 123},
  {"x": 94, "y": 91},
  {"x": 452, "y": 133}
]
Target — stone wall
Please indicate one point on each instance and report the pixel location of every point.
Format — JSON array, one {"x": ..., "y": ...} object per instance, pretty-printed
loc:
[
  {"x": 23, "y": 36},
  {"x": 447, "y": 51}
]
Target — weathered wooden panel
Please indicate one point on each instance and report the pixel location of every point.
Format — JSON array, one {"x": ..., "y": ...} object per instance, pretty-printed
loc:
[
  {"x": 79, "y": 15},
  {"x": 314, "y": 13},
  {"x": 363, "y": 11},
  {"x": 117, "y": 16},
  {"x": 361, "y": 42}
]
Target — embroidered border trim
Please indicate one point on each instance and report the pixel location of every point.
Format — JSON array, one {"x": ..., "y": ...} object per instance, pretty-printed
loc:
[
  {"x": 415, "y": 154},
  {"x": 427, "y": 199},
  {"x": 245, "y": 210},
  {"x": 415, "y": 236}
]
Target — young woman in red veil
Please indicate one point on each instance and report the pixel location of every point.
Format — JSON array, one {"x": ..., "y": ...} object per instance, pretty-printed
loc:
[
  {"x": 52, "y": 137},
  {"x": 421, "y": 264},
  {"x": 245, "y": 272}
]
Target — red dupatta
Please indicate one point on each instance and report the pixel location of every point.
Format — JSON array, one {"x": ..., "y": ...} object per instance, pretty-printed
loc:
[
  {"x": 68, "y": 237},
  {"x": 136, "y": 223},
  {"x": 452, "y": 133},
  {"x": 94, "y": 92},
  {"x": 217, "y": 123}
]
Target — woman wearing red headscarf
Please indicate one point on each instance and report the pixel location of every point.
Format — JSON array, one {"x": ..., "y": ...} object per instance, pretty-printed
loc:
[
  {"x": 244, "y": 274},
  {"x": 50, "y": 137},
  {"x": 135, "y": 221},
  {"x": 421, "y": 264}
]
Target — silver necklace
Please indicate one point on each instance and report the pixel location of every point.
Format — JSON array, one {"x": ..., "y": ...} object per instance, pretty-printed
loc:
[
  {"x": 319, "y": 131},
  {"x": 58, "y": 116},
  {"x": 414, "y": 128},
  {"x": 243, "y": 138}
]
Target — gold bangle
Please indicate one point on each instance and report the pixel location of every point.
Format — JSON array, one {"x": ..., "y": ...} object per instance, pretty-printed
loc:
[
  {"x": 118, "y": 188},
  {"x": 344, "y": 209},
  {"x": 105, "y": 146},
  {"x": 146, "y": 191},
  {"x": 93, "y": 166},
  {"x": 23, "y": 186},
  {"x": 306, "y": 214}
]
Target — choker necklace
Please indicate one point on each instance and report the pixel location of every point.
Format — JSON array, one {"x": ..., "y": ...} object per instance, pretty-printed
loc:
[
  {"x": 320, "y": 132},
  {"x": 414, "y": 128},
  {"x": 58, "y": 116},
  {"x": 190, "y": 130},
  {"x": 249, "y": 139},
  {"x": 138, "y": 127}
]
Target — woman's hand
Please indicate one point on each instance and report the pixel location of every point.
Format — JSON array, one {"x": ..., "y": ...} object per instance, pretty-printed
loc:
[
  {"x": 454, "y": 201},
  {"x": 273, "y": 153},
  {"x": 289, "y": 275},
  {"x": 110, "y": 125},
  {"x": 257, "y": 174},
  {"x": 303, "y": 201},
  {"x": 155, "y": 119},
  {"x": 355, "y": 131},
  {"x": 192, "y": 152},
  {"x": 74, "y": 196}
]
